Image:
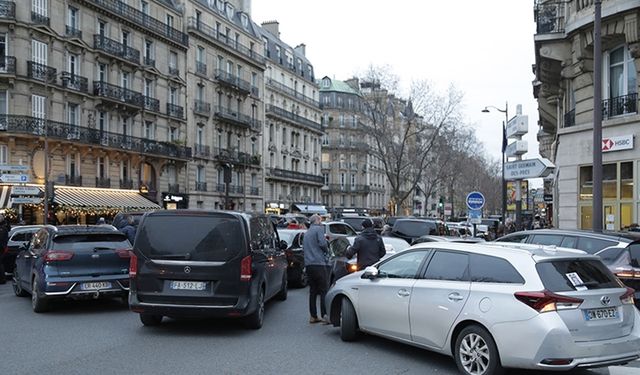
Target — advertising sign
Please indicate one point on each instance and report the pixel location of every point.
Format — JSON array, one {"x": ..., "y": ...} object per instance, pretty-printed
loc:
[
  {"x": 623, "y": 142},
  {"x": 511, "y": 195}
]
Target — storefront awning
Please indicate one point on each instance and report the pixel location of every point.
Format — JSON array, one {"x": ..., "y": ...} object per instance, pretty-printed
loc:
[
  {"x": 102, "y": 198},
  {"x": 310, "y": 209}
]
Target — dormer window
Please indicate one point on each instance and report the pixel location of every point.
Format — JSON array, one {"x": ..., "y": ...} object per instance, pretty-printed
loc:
[
  {"x": 326, "y": 82},
  {"x": 245, "y": 20},
  {"x": 220, "y": 5},
  {"x": 230, "y": 11}
]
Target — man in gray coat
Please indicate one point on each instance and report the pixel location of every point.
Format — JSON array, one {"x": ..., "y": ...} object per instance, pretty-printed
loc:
[{"x": 316, "y": 254}]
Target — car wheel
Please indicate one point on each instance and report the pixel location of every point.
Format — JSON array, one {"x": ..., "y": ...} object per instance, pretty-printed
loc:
[
  {"x": 150, "y": 320},
  {"x": 476, "y": 352},
  {"x": 348, "y": 321},
  {"x": 256, "y": 318},
  {"x": 284, "y": 290},
  {"x": 17, "y": 287},
  {"x": 38, "y": 303}
]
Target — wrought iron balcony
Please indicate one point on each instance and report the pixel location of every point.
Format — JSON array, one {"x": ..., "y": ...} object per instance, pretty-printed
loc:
[
  {"x": 201, "y": 186},
  {"x": 620, "y": 105},
  {"x": 148, "y": 61},
  {"x": 7, "y": 10},
  {"x": 220, "y": 188},
  {"x": 144, "y": 21},
  {"x": 174, "y": 71},
  {"x": 235, "y": 157},
  {"x": 72, "y": 180},
  {"x": 73, "y": 32},
  {"x": 293, "y": 118},
  {"x": 549, "y": 17},
  {"x": 212, "y": 34},
  {"x": 232, "y": 81},
  {"x": 254, "y": 191},
  {"x": 63, "y": 131},
  {"x": 75, "y": 82},
  {"x": 236, "y": 189},
  {"x": 358, "y": 189},
  {"x": 201, "y": 68},
  {"x": 291, "y": 175},
  {"x": 201, "y": 151},
  {"x": 174, "y": 188},
  {"x": 103, "y": 182},
  {"x": 41, "y": 72},
  {"x": 570, "y": 118},
  {"x": 39, "y": 19},
  {"x": 116, "y": 49},
  {"x": 8, "y": 65},
  {"x": 236, "y": 118},
  {"x": 201, "y": 107},
  {"x": 291, "y": 92},
  {"x": 346, "y": 145},
  {"x": 175, "y": 111},
  {"x": 151, "y": 104},
  {"x": 126, "y": 184},
  {"x": 118, "y": 94}
]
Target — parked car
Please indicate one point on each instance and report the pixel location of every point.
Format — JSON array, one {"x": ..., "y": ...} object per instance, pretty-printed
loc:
[
  {"x": 476, "y": 302},
  {"x": 410, "y": 229},
  {"x": 206, "y": 263},
  {"x": 588, "y": 241},
  {"x": 18, "y": 236},
  {"x": 434, "y": 238},
  {"x": 355, "y": 222},
  {"x": 295, "y": 256},
  {"x": 71, "y": 261},
  {"x": 335, "y": 229},
  {"x": 624, "y": 262}
]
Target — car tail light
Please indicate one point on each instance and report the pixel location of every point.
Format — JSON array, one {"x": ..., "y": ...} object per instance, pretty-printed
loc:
[
  {"x": 57, "y": 256},
  {"x": 6, "y": 250},
  {"x": 245, "y": 268},
  {"x": 133, "y": 265},
  {"x": 546, "y": 301},
  {"x": 627, "y": 273},
  {"x": 627, "y": 297},
  {"x": 124, "y": 253},
  {"x": 352, "y": 267}
]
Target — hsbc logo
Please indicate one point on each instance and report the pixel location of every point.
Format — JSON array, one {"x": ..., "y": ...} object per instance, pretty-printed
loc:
[{"x": 624, "y": 142}]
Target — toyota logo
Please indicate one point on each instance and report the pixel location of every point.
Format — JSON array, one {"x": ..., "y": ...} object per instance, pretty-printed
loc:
[
  {"x": 187, "y": 269},
  {"x": 605, "y": 300}
]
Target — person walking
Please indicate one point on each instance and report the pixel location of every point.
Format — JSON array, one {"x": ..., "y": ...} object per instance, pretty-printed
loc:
[
  {"x": 316, "y": 252},
  {"x": 130, "y": 229},
  {"x": 368, "y": 246},
  {"x": 4, "y": 238}
]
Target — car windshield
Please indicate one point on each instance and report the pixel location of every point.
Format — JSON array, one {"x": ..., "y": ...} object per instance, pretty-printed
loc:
[
  {"x": 576, "y": 274},
  {"x": 414, "y": 228},
  {"x": 355, "y": 222}
]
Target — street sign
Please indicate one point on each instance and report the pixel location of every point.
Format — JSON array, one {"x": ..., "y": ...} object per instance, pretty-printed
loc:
[
  {"x": 475, "y": 200},
  {"x": 15, "y": 178},
  {"x": 517, "y": 126},
  {"x": 531, "y": 168},
  {"x": 548, "y": 198},
  {"x": 25, "y": 190},
  {"x": 624, "y": 142},
  {"x": 13, "y": 168},
  {"x": 30, "y": 200},
  {"x": 517, "y": 148},
  {"x": 475, "y": 216}
]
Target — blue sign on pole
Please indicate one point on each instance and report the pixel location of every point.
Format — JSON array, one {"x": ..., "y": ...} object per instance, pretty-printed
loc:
[
  {"x": 475, "y": 216},
  {"x": 475, "y": 200}
]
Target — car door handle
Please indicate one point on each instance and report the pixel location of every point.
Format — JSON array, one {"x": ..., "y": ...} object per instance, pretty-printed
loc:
[
  {"x": 455, "y": 297},
  {"x": 403, "y": 293}
]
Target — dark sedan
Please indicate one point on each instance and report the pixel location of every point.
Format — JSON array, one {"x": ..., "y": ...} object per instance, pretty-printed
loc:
[
  {"x": 72, "y": 261},
  {"x": 296, "y": 273},
  {"x": 18, "y": 236}
]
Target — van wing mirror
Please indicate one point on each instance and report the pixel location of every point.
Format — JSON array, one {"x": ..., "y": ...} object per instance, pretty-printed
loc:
[{"x": 370, "y": 273}]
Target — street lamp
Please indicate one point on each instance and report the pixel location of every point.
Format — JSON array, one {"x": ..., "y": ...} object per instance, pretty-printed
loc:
[{"x": 504, "y": 147}]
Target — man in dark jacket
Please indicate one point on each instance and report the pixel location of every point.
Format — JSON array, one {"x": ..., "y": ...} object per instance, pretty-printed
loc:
[
  {"x": 368, "y": 246},
  {"x": 130, "y": 229}
]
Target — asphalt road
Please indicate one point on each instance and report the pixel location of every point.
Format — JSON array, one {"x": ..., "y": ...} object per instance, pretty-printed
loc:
[{"x": 103, "y": 337}]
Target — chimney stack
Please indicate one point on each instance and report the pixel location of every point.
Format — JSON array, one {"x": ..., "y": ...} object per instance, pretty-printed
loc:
[
  {"x": 273, "y": 27},
  {"x": 301, "y": 49},
  {"x": 245, "y": 6}
]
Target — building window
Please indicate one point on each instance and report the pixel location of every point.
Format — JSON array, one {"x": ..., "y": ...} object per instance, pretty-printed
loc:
[
  {"x": 148, "y": 52},
  {"x": 149, "y": 130},
  {"x": 200, "y": 177},
  {"x": 4, "y": 152},
  {"x": 39, "y": 7},
  {"x": 169, "y": 20},
  {"x": 72, "y": 18},
  {"x": 144, "y": 7},
  {"x": 102, "y": 163},
  {"x": 125, "y": 168},
  {"x": 173, "y": 134},
  {"x": 173, "y": 62},
  {"x": 620, "y": 90}
]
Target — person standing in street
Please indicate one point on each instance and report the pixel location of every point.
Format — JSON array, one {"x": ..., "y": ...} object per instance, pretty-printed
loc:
[
  {"x": 368, "y": 246},
  {"x": 316, "y": 251},
  {"x": 130, "y": 229},
  {"x": 4, "y": 238}
]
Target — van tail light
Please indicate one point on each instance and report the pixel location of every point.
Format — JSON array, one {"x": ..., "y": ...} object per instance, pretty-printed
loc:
[
  {"x": 627, "y": 273},
  {"x": 133, "y": 265},
  {"x": 352, "y": 267},
  {"x": 124, "y": 253},
  {"x": 546, "y": 301},
  {"x": 627, "y": 298},
  {"x": 245, "y": 268},
  {"x": 57, "y": 256}
]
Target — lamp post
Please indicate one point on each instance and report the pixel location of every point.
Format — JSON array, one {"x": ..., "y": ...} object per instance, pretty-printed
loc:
[{"x": 504, "y": 134}]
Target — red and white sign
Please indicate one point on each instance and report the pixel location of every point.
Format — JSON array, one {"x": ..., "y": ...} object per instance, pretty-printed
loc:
[{"x": 623, "y": 142}]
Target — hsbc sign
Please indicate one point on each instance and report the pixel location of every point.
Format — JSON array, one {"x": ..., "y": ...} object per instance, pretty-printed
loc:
[{"x": 623, "y": 142}]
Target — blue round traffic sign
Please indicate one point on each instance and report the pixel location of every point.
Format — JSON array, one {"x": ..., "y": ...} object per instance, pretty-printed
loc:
[{"x": 475, "y": 200}]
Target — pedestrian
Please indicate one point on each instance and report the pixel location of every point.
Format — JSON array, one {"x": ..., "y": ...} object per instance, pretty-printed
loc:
[
  {"x": 316, "y": 254},
  {"x": 537, "y": 223},
  {"x": 4, "y": 238},
  {"x": 368, "y": 246},
  {"x": 101, "y": 221},
  {"x": 386, "y": 230},
  {"x": 293, "y": 224},
  {"x": 130, "y": 229}
]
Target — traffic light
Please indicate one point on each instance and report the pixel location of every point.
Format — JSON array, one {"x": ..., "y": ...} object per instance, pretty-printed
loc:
[{"x": 441, "y": 202}]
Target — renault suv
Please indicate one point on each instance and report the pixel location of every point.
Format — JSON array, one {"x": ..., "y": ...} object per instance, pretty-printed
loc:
[{"x": 197, "y": 263}]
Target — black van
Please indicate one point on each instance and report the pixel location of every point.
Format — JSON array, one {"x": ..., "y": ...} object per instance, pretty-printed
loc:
[{"x": 200, "y": 263}]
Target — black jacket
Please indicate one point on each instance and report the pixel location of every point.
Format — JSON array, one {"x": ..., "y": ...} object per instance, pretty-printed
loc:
[{"x": 368, "y": 246}]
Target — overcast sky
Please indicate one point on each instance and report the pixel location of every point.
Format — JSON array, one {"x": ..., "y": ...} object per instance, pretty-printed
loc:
[{"x": 485, "y": 48}]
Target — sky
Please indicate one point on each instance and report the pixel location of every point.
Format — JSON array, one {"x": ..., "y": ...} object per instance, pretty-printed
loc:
[{"x": 484, "y": 48}]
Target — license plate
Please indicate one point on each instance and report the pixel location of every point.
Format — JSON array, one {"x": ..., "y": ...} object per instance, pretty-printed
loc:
[
  {"x": 601, "y": 314},
  {"x": 96, "y": 285},
  {"x": 188, "y": 285}
]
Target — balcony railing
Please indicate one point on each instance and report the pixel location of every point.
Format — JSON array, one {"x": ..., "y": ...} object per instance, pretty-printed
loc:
[
  {"x": 211, "y": 33},
  {"x": 235, "y": 157},
  {"x": 73, "y": 32},
  {"x": 292, "y": 117},
  {"x": 291, "y": 92},
  {"x": 174, "y": 188},
  {"x": 549, "y": 17},
  {"x": 174, "y": 110},
  {"x": 151, "y": 104},
  {"x": 620, "y": 105},
  {"x": 201, "y": 151},
  {"x": 148, "y": 61},
  {"x": 236, "y": 118},
  {"x": 89, "y": 136},
  {"x": 362, "y": 146},
  {"x": 8, "y": 65},
  {"x": 220, "y": 188},
  {"x": 174, "y": 71},
  {"x": 233, "y": 81},
  {"x": 201, "y": 68},
  {"x": 254, "y": 190},
  {"x": 117, "y": 93},
  {"x": 103, "y": 182},
  {"x": 72, "y": 180},
  {"x": 39, "y": 19},
  {"x": 7, "y": 10},
  {"x": 116, "y": 48},
  {"x": 75, "y": 82},
  {"x": 359, "y": 189},
  {"x": 126, "y": 184},
  {"x": 570, "y": 118},
  {"x": 201, "y": 186},
  {"x": 236, "y": 189},
  {"x": 41, "y": 72},
  {"x": 277, "y": 172},
  {"x": 142, "y": 20},
  {"x": 201, "y": 107}
]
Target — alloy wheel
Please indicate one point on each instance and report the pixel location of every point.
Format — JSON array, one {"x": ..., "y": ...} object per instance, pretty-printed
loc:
[{"x": 474, "y": 354}]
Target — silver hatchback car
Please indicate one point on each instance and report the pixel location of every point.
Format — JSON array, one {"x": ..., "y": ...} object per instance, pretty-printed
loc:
[{"x": 493, "y": 306}]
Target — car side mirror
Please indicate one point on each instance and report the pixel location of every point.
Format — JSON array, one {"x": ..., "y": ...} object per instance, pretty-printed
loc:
[
  {"x": 370, "y": 273},
  {"x": 283, "y": 245}
]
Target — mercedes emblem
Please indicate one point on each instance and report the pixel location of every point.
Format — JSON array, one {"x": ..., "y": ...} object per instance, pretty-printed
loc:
[
  {"x": 605, "y": 300},
  {"x": 187, "y": 269}
]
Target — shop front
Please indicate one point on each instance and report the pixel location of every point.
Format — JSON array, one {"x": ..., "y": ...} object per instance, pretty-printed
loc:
[{"x": 173, "y": 201}]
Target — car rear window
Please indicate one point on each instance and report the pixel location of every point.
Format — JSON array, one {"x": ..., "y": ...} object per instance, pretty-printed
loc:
[
  {"x": 199, "y": 238},
  {"x": 22, "y": 236},
  {"x": 414, "y": 228},
  {"x": 488, "y": 269},
  {"x": 79, "y": 241},
  {"x": 593, "y": 245},
  {"x": 576, "y": 274},
  {"x": 355, "y": 222}
]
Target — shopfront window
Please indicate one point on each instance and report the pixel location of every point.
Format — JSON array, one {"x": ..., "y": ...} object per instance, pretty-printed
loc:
[
  {"x": 609, "y": 181},
  {"x": 586, "y": 183},
  {"x": 626, "y": 180}
]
